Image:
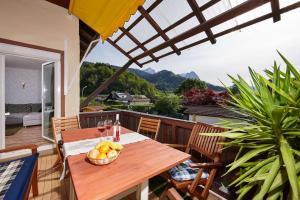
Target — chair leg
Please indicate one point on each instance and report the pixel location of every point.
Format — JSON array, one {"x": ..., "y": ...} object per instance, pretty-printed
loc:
[
  {"x": 35, "y": 191},
  {"x": 164, "y": 193},
  {"x": 173, "y": 194}
]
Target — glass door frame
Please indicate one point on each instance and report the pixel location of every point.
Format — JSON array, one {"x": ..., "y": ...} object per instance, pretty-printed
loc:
[
  {"x": 2, "y": 101},
  {"x": 56, "y": 95}
]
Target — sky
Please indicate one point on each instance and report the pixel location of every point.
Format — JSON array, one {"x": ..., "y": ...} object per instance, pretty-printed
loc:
[{"x": 254, "y": 46}]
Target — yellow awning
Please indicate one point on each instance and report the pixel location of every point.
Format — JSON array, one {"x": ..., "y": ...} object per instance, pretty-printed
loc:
[{"x": 104, "y": 16}]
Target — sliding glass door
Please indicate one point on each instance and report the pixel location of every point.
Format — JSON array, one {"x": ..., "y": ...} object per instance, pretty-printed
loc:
[{"x": 48, "y": 99}]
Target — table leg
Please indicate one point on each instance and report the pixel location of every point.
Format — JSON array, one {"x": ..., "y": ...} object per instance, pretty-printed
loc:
[
  {"x": 142, "y": 192},
  {"x": 71, "y": 190}
]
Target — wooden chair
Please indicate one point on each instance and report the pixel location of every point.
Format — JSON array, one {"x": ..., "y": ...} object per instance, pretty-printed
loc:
[
  {"x": 59, "y": 125},
  {"x": 209, "y": 152},
  {"x": 20, "y": 185},
  {"x": 149, "y": 127}
]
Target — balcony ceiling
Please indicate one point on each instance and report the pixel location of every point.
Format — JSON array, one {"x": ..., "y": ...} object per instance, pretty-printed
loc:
[{"x": 151, "y": 33}]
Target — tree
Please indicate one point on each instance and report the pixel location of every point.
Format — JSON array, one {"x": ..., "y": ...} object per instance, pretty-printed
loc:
[
  {"x": 189, "y": 84},
  {"x": 92, "y": 75},
  {"x": 167, "y": 104},
  {"x": 205, "y": 97}
]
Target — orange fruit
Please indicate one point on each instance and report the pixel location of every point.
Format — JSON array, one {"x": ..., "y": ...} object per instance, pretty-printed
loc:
[
  {"x": 101, "y": 156},
  {"x": 104, "y": 149}
]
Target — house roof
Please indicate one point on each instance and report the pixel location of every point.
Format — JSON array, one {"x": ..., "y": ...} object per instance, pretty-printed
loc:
[
  {"x": 213, "y": 111},
  {"x": 119, "y": 96}
]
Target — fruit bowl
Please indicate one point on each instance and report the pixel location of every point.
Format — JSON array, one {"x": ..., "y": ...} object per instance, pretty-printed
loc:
[
  {"x": 103, "y": 161},
  {"x": 104, "y": 153}
]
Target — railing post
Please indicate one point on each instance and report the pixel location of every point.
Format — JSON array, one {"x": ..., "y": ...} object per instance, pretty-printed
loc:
[{"x": 174, "y": 134}]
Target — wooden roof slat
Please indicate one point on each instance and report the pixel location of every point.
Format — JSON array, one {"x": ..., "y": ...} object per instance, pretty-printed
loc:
[
  {"x": 154, "y": 5},
  {"x": 275, "y": 9},
  {"x": 137, "y": 42},
  {"x": 177, "y": 23},
  {"x": 194, "y": 6},
  {"x": 123, "y": 52},
  {"x": 235, "y": 28},
  {"x": 221, "y": 18},
  {"x": 157, "y": 28}
]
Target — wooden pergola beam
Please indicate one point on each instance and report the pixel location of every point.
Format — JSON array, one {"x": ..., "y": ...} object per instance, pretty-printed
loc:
[
  {"x": 177, "y": 23},
  {"x": 157, "y": 28},
  {"x": 194, "y": 6},
  {"x": 105, "y": 84},
  {"x": 230, "y": 30},
  {"x": 130, "y": 36},
  {"x": 221, "y": 18},
  {"x": 275, "y": 10},
  {"x": 154, "y": 5},
  {"x": 123, "y": 52}
]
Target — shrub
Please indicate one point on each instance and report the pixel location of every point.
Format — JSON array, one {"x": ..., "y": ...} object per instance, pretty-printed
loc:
[{"x": 167, "y": 104}]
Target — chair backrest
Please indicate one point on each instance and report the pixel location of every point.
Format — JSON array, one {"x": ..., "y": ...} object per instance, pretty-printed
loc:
[
  {"x": 64, "y": 123},
  {"x": 149, "y": 127},
  {"x": 208, "y": 146}
]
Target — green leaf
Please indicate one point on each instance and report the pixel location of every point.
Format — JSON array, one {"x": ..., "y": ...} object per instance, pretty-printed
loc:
[
  {"x": 252, "y": 170},
  {"x": 250, "y": 154},
  {"x": 269, "y": 179},
  {"x": 289, "y": 162},
  {"x": 290, "y": 66}
]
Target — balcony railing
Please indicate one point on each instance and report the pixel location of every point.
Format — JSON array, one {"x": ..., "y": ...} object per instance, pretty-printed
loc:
[{"x": 172, "y": 131}]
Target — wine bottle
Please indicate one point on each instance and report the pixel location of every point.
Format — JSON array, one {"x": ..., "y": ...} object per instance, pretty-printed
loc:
[{"x": 117, "y": 129}]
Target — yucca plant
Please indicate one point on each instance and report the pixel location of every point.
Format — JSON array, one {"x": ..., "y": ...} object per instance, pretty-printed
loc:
[{"x": 268, "y": 160}]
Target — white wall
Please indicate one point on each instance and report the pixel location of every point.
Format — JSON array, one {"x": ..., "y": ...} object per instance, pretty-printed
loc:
[
  {"x": 14, "y": 91},
  {"x": 42, "y": 23}
]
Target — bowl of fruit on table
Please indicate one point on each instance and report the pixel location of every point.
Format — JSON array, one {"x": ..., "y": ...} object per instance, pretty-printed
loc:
[{"x": 104, "y": 153}]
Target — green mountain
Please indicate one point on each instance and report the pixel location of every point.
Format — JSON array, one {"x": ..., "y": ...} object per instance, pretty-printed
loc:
[
  {"x": 92, "y": 75},
  {"x": 134, "y": 81},
  {"x": 168, "y": 81}
]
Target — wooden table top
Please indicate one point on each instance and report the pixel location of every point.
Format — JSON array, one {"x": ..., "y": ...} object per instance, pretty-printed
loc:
[{"x": 137, "y": 163}]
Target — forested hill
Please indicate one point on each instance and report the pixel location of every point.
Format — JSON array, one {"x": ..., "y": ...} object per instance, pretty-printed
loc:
[
  {"x": 135, "y": 81},
  {"x": 92, "y": 75}
]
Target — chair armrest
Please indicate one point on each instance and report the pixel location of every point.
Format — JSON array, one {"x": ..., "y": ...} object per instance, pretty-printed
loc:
[
  {"x": 205, "y": 165},
  {"x": 179, "y": 146},
  {"x": 33, "y": 148}
]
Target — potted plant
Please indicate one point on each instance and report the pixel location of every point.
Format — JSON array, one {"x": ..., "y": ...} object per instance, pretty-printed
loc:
[{"x": 269, "y": 151}]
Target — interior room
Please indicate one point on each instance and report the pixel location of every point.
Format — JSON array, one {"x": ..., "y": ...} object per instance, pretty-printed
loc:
[{"x": 23, "y": 101}]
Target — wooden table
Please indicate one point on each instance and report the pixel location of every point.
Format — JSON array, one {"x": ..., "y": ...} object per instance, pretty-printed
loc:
[{"x": 137, "y": 163}]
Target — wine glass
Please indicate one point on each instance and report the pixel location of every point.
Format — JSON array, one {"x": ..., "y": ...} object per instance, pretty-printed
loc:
[
  {"x": 108, "y": 125},
  {"x": 101, "y": 126}
]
